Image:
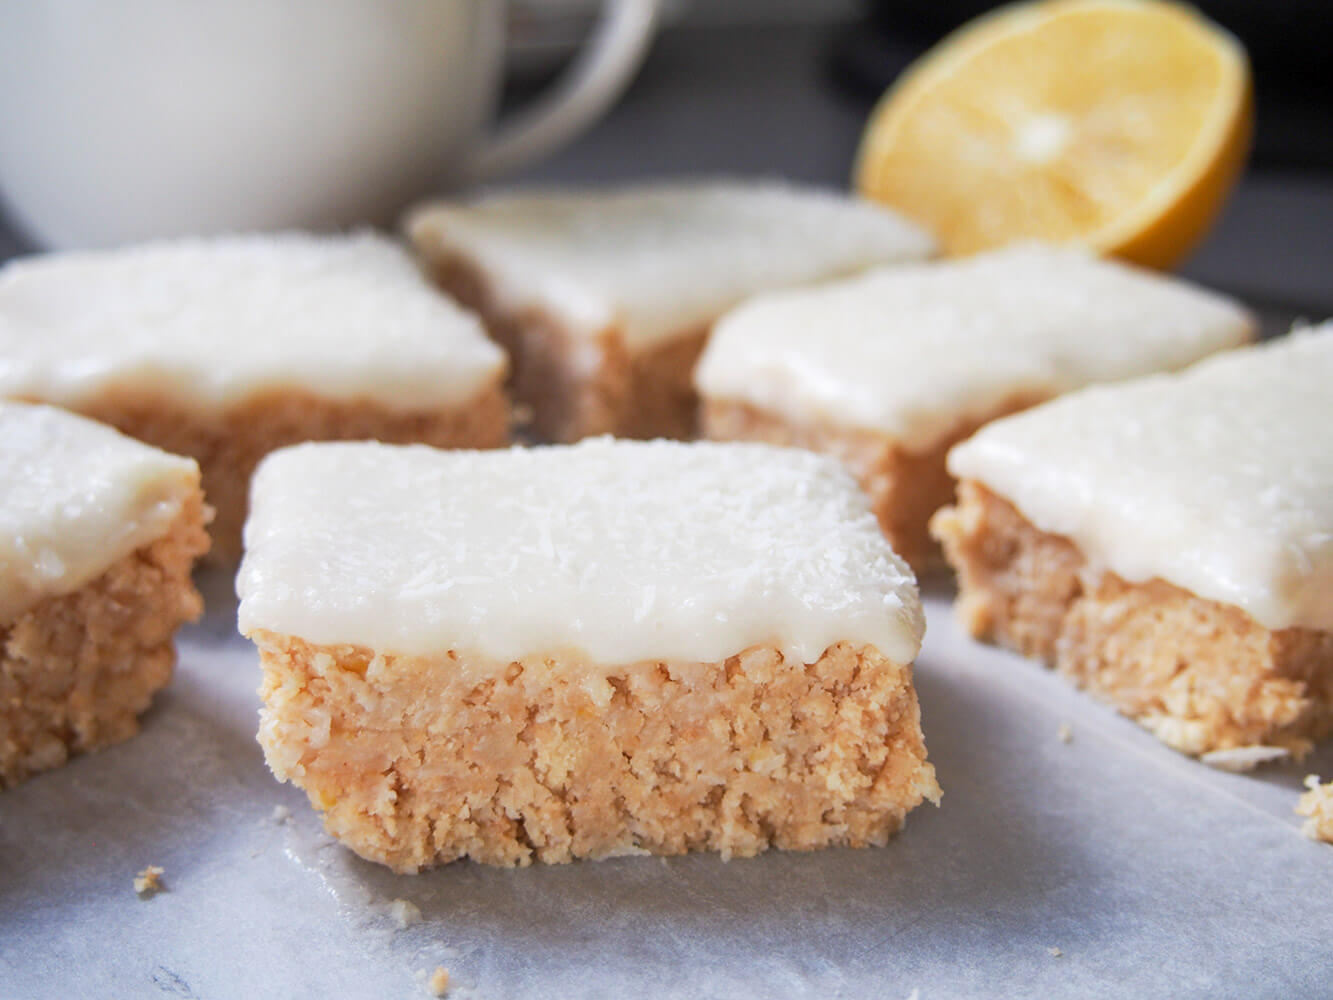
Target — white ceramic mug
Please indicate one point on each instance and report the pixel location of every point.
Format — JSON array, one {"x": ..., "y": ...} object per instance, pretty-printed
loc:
[{"x": 134, "y": 119}]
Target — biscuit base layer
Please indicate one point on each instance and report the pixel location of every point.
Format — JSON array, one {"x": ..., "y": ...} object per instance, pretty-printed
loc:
[
  {"x": 229, "y": 444},
  {"x": 1199, "y": 674},
  {"x": 905, "y": 487},
  {"x": 417, "y": 761},
  {"x": 576, "y": 386},
  {"x": 77, "y": 670}
]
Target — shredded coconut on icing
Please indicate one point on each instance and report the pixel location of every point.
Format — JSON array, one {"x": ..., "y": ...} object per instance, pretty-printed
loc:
[
  {"x": 661, "y": 260},
  {"x": 916, "y": 351},
  {"x": 623, "y": 550},
  {"x": 208, "y": 322}
]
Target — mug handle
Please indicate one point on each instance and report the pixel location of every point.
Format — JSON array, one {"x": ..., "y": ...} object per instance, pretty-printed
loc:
[{"x": 582, "y": 94}]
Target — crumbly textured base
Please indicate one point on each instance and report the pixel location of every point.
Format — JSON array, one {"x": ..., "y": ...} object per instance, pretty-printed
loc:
[
  {"x": 230, "y": 444},
  {"x": 1202, "y": 676},
  {"x": 417, "y": 761},
  {"x": 77, "y": 670},
  {"x": 905, "y": 487},
  {"x": 577, "y": 387},
  {"x": 1317, "y": 806}
]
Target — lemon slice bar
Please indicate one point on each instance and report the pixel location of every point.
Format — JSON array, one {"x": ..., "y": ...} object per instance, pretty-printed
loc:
[
  {"x": 582, "y": 651},
  {"x": 98, "y": 534},
  {"x": 604, "y": 300},
  {"x": 227, "y": 348},
  {"x": 1167, "y": 544},
  {"x": 890, "y": 369}
]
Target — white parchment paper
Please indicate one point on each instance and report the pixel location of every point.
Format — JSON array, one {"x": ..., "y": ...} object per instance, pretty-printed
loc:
[{"x": 1151, "y": 874}]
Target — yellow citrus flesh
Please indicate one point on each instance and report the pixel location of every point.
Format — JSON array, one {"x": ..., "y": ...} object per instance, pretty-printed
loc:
[{"x": 1119, "y": 124}]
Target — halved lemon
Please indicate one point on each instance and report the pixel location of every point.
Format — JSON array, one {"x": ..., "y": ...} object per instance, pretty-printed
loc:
[{"x": 1118, "y": 124}]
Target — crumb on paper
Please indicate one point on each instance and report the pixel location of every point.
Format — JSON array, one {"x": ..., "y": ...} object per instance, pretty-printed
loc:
[
  {"x": 405, "y": 913},
  {"x": 438, "y": 984},
  {"x": 1065, "y": 733},
  {"x": 1317, "y": 806},
  {"x": 1054, "y": 952},
  {"x": 281, "y": 814},
  {"x": 1238, "y": 760},
  {"x": 149, "y": 881}
]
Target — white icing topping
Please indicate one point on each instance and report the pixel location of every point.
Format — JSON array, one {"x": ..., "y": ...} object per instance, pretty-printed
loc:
[
  {"x": 76, "y": 496},
  {"x": 212, "y": 322},
  {"x": 625, "y": 551},
  {"x": 660, "y": 261},
  {"x": 1218, "y": 480},
  {"x": 915, "y": 351}
]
